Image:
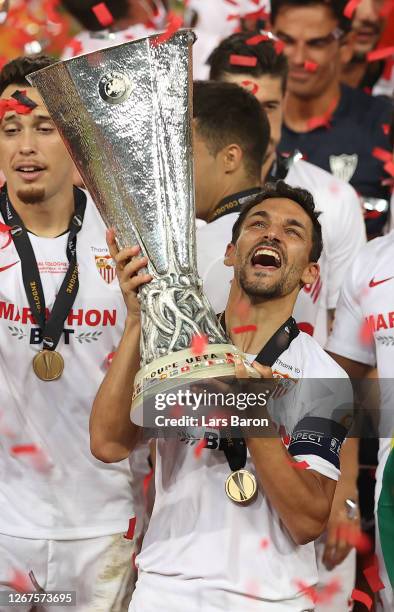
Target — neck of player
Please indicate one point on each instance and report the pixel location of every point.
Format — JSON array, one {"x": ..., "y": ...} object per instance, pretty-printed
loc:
[
  {"x": 49, "y": 218},
  {"x": 299, "y": 110},
  {"x": 266, "y": 315}
]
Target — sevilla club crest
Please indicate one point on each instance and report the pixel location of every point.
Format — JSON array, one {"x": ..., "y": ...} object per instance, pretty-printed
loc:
[
  {"x": 343, "y": 166},
  {"x": 106, "y": 266}
]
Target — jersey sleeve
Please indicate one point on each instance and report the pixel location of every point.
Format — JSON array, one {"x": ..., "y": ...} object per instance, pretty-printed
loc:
[
  {"x": 347, "y": 237},
  {"x": 326, "y": 413},
  {"x": 346, "y": 338}
]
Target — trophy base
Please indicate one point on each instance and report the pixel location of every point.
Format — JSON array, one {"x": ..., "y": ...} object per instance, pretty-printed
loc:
[{"x": 167, "y": 373}]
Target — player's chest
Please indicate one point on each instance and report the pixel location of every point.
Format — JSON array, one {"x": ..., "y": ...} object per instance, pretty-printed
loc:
[{"x": 377, "y": 304}]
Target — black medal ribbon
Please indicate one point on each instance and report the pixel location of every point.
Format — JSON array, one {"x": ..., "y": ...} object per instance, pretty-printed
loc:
[
  {"x": 52, "y": 327},
  {"x": 235, "y": 448},
  {"x": 234, "y": 203}
]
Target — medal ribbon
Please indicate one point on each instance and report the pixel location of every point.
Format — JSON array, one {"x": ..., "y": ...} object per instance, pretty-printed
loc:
[
  {"x": 233, "y": 203},
  {"x": 235, "y": 448},
  {"x": 52, "y": 327}
]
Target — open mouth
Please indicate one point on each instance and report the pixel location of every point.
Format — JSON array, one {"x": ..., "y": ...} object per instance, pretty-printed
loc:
[
  {"x": 29, "y": 171},
  {"x": 266, "y": 257}
]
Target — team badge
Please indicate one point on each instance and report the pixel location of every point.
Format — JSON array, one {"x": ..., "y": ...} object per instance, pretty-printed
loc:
[
  {"x": 106, "y": 266},
  {"x": 343, "y": 166}
]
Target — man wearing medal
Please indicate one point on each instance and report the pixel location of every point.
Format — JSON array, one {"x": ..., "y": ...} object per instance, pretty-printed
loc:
[
  {"x": 203, "y": 550},
  {"x": 63, "y": 514}
]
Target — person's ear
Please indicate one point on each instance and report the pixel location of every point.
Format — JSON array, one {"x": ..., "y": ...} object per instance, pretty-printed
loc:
[
  {"x": 346, "y": 49},
  {"x": 229, "y": 257},
  {"x": 232, "y": 157},
  {"x": 310, "y": 274}
]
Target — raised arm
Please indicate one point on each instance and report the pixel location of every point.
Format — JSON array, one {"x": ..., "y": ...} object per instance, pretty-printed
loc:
[
  {"x": 112, "y": 435},
  {"x": 301, "y": 497}
]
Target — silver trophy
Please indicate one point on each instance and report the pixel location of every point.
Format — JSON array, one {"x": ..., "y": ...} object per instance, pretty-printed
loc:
[{"x": 125, "y": 115}]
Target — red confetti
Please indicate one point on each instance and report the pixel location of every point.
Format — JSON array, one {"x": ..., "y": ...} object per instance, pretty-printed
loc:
[
  {"x": 130, "y": 532},
  {"x": 366, "y": 333},
  {"x": 75, "y": 46},
  {"x": 147, "y": 481},
  {"x": 256, "y": 40},
  {"x": 386, "y": 129},
  {"x": 323, "y": 120},
  {"x": 173, "y": 24},
  {"x": 199, "y": 344},
  {"x": 19, "y": 582},
  {"x": 233, "y": 2},
  {"x": 244, "y": 328},
  {"x": 24, "y": 449},
  {"x": 243, "y": 60},
  {"x": 109, "y": 358},
  {"x": 198, "y": 449},
  {"x": 13, "y": 105},
  {"x": 250, "y": 86},
  {"x": 362, "y": 597},
  {"x": 371, "y": 573},
  {"x": 103, "y": 14},
  {"x": 322, "y": 596},
  {"x": 386, "y": 8},
  {"x": 389, "y": 167},
  {"x": 378, "y": 54},
  {"x": 279, "y": 46},
  {"x": 299, "y": 465},
  {"x": 382, "y": 154},
  {"x": 350, "y": 8},
  {"x": 264, "y": 543},
  {"x": 261, "y": 14},
  {"x": 310, "y": 66},
  {"x": 4, "y": 227}
]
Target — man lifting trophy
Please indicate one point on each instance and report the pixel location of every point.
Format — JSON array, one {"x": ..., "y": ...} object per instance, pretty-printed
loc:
[{"x": 125, "y": 116}]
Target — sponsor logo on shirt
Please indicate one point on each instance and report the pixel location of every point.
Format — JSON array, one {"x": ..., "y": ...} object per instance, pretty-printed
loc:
[
  {"x": 343, "y": 166},
  {"x": 373, "y": 283},
  {"x": 376, "y": 322},
  {"x": 4, "y": 268}
]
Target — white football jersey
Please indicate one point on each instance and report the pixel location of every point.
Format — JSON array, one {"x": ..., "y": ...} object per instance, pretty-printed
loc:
[
  {"x": 202, "y": 551},
  {"x": 343, "y": 232},
  {"x": 364, "y": 327},
  {"x": 364, "y": 332},
  {"x": 51, "y": 487}
]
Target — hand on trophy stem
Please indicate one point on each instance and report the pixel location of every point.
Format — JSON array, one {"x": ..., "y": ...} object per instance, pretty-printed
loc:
[{"x": 127, "y": 271}]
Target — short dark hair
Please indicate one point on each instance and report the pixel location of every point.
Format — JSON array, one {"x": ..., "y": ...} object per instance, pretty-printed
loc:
[
  {"x": 280, "y": 189},
  {"x": 269, "y": 62},
  {"x": 16, "y": 71},
  {"x": 336, "y": 7},
  {"x": 82, "y": 11},
  {"x": 226, "y": 114}
]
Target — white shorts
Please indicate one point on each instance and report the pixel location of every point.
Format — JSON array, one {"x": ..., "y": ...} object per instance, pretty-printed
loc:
[
  {"x": 100, "y": 570},
  {"x": 344, "y": 573}
]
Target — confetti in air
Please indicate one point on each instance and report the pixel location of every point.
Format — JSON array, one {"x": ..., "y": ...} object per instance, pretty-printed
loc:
[
  {"x": 130, "y": 532},
  {"x": 310, "y": 66},
  {"x": 299, "y": 465},
  {"x": 198, "y": 449},
  {"x": 251, "y": 86},
  {"x": 362, "y": 597},
  {"x": 173, "y": 24},
  {"x": 103, "y": 14},
  {"x": 243, "y": 60},
  {"x": 243, "y": 329},
  {"x": 199, "y": 344},
  {"x": 371, "y": 574},
  {"x": 350, "y": 8}
]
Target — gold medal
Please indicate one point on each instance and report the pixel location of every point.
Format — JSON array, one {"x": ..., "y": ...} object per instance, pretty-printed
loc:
[
  {"x": 241, "y": 487},
  {"x": 48, "y": 365}
]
